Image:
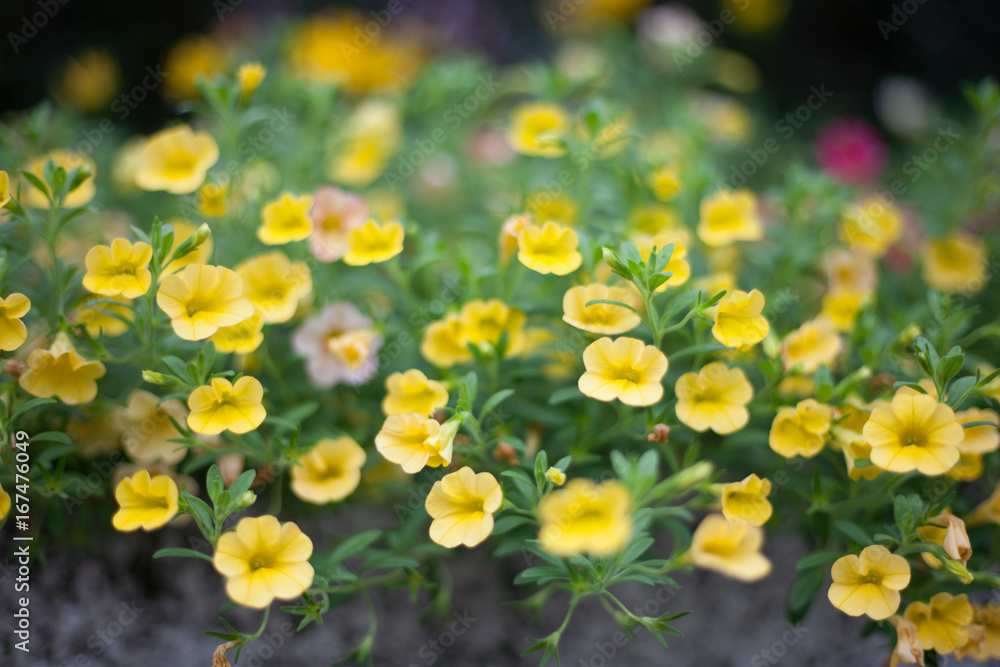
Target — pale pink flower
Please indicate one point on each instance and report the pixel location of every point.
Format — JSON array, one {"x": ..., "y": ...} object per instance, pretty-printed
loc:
[
  {"x": 340, "y": 346},
  {"x": 335, "y": 212}
]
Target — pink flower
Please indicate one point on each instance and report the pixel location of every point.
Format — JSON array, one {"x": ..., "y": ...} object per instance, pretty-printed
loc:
[
  {"x": 339, "y": 346},
  {"x": 334, "y": 213},
  {"x": 850, "y": 151}
]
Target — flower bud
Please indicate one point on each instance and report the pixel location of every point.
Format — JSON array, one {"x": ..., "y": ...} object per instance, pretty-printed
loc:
[
  {"x": 660, "y": 434},
  {"x": 612, "y": 260},
  {"x": 247, "y": 499},
  {"x": 152, "y": 377},
  {"x": 956, "y": 540},
  {"x": 249, "y": 76},
  {"x": 555, "y": 476}
]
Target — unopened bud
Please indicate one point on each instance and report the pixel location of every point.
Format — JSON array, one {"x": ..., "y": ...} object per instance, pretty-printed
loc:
[
  {"x": 959, "y": 570},
  {"x": 82, "y": 174},
  {"x": 152, "y": 377},
  {"x": 660, "y": 434},
  {"x": 247, "y": 499},
  {"x": 555, "y": 476},
  {"x": 611, "y": 259}
]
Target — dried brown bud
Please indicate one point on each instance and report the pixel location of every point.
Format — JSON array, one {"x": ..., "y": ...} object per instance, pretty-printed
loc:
[
  {"x": 230, "y": 467},
  {"x": 880, "y": 382},
  {"x": 505, "y": 452},
  {"x": 660, "y": 434},
  {"x": 440, "y": 416},
  {"x": 219, "y": 658},
  {"x": 15, "y": 368},
  {"x": 265, "y": 475}
]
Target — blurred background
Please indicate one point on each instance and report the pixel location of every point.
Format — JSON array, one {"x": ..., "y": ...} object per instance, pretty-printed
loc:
[{"x": 852, "y": 46}]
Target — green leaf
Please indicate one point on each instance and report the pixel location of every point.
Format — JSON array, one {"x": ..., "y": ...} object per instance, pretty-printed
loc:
[
  {"x": 181, "y": 553},
  {"x": 854, "y": 531},
  {"x": 802, "y": 592},
  {"x": 505, "y": 524},
  {"x": 541, "y": 465},
  {"x": 242, "y": 484},
  {"x": 594, "y": 302},
  {"x": 817, "y": 558},
  {"x": 214, "y": 484},
  {"x": 636, "y": 548},
  {"x": 353, "y": 545},
  {"x": 495, "y": 400},
  {"x": 565, "y": 394}
]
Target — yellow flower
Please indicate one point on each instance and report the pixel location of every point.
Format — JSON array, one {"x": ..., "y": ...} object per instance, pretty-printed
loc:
[
  {"x": 373, "y": 243},
  {"x": 550, "y": 248},
  {"x": 914, "y": 432},
  {"x": 213, "y": 200},
  {"x": 956, "y": 264},
  {"x": 560, "y": 207},
  {"x": 943, "y": 622},
  {"x": 120, "y": 269},
  {"x": 738, "y": 320},
  {"x": 249, "y": 76},
  {"x": 328, "y": 472},
  {"x": 727, "y": 216},
  {"x": 841, "y": 308},
  {"x": 191, "y": 58},
  {"x": 412, "y": 391},
  {"x": 968, "y": 469},
  {"x": 414, "y": 441},
  {"x": 555, "y": 476},
  {"x": 908, "y": 648},
  {"x": 812, "y": 345},
  {"x": 746, "y": 501},
  {"x": 200, "y": 255},
  {"x": 202, "y": 299},
  {"x": 286, "y": 219},
  {"x": 372, "y": 134},
  {"x": 13, "y": 333},
  {"x": 263, "y": 560},
  {"x": 600, "y": 318},
  {"x": 462, "y": 505},
  {"x": 4, "y": 504},
  {"x": 851, "y": 271},
  {"x": 987, "y": 617},
  {"x": 484, "y": 322},
  {"x": 69, "y": 161},
  {"x": 176, "y": 160},
  {"x": 144, "y": 502},
  {"x": 624, "y": 368},
  {"x": 870, "y": 226},
  {"x": 986, "y": 511},
  {"x": 538, "y": 128},
  {"x": 88, "y": 81},
  {"x": 241, "y": 338},
  {"x": 869, "y": 583},
  {"x": 443, "y": 343},
  {"x": 713, "y": 398},
  {"x": 729, "y": 549},
  {"x": 859, "y": 449},
  {"x": 4, "y": 188},
  {"x": 666, "y": 183},
  {"x": 146, "y": 429},
  {"x": 979, "y": 439},
  {"x": 60, "y": 371},
  {"x": 651, "y": 219},
  {"x": 275, "y": 285},
  {"x": 222, "y": 405},
  {"x": 104, "y": 319},
  {"x": 584, "y": 517},
  {"x": 796, "y": 386},
  {"x": 800, "y": 431},
  {"x": 510, "y": 232}
]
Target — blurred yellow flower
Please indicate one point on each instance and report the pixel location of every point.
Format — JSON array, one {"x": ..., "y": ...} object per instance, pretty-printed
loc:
[
  {"x": 144, "y": 502},
  {"x": 213, "y": 200},
  {"x": 121, "y": 269},
  {"x": 4, "y": 503},
  {"x": 800, "y": 431},
  {"x": 651, "y": 219},
  {"x": 746, "y": 501},
  {"x": 624, "y": 368},
  {"x": 943, "y": 622},
  {"x": 538, "y": 128},
  {"x": 373, "y": 243},
  {"x": 193, "y": 57},
  {"x": 328, "y": 472},
  {"x": 202, "y": 299},
  {"x": 485, "y": 322},
  {"x": 60, "y": 371},
  {"x": 586, "y": 518},
  {"x": 812, "y": 345},
  {"x": 69, "y": 161},
  {"x": 728, "y": 216},
  {"x": 412, "y": 391},
  {"x": 249, "y": 77},
  {"x": 103, "y": 319},
  {"x": 444, "y": 342},
  {"x": 870, "y": 583},
  {"x": 986, "y": 511},
  {"x": 738, "y": 320},
  {"x": 286, "y": 219},
  {"x": 13, "y": 332},
  {"x": 729, "y": 549},
  {"x": 224, "y": 406},
  {"x": 979, "y": 439},
  {"x": 713, "y": 398},
  {"x": 678, "y": 264},
  {"x": 559, "y": 207},
  {"x": 913, "y": 432},
  {"x": 600, "y": 318},
  {"x": 870, "y": 226},
  {"x": 855, "y": 450},
  {"x": 851, "y": 271},
  {"x": 665, "y": 183},
  {"x": 176, "y": 160},
  {"x": 414, "y": 441},
  {"x": 371, "y": 136},
  {"x": 510, "y": 231},
  {"x": 462, "y": 505},
  {"x": 241, "y": 338},
  {"x": 968, "y": 469},
  {"x": 275, "y": 285},
  {"x": 88, "y": 82},
  {"x": 841, "y": 308},
  {"x": 985, "y": 616},
  {"x": 4, "y": 188},
  {"x": 146, "y": 429},
  {"x": 550, "y": 248},
  {"x": 957, "y": 263},
  {"x": 263, "y": 560}
]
